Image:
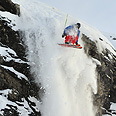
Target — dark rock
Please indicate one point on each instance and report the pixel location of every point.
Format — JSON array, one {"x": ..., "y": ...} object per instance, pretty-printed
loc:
[
  {"x": 106, "y": 76},
  {"x": 15, "y": 41},
  {"x": 11, "y": 111},
  {"x": 101, "y": 39},
  {"x": 114, "y": 38},
  {"x": 8, "y": 5}
]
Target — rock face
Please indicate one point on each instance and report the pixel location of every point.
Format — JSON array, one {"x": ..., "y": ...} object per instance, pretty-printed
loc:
[
  {"x": 106, "y": 80},
  {"x": 8, "y": 5},
  {"x": 18, "y": 92}
]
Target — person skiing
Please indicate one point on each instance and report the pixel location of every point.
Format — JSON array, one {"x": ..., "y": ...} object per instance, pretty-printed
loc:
[{"x": 71, "y": 34}]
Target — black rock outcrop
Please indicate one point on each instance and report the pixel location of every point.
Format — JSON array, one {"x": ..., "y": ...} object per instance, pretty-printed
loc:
[
  {"x": 106, "y": 76},
  {"x": 8, "y": 5}
]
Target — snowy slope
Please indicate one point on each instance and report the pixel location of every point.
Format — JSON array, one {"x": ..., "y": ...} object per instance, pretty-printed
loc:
[
  {"x": 67, "y": 75},
  {"x": 111, "y": 37}
]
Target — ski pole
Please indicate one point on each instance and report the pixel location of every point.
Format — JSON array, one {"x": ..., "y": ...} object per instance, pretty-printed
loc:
[{"x": 66, "y": 20}]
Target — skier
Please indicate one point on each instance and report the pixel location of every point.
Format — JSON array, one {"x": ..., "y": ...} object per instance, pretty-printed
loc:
[{"x": 71, "y": 34}]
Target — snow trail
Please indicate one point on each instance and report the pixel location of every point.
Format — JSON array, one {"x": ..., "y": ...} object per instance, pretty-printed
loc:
[{"x": 67, "y": 75}]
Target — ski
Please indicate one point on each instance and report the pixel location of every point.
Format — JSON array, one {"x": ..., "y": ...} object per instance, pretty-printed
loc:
[{"x": 72, "y": 46}]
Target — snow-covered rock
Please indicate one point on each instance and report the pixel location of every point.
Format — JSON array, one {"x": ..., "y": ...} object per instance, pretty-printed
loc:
[{"x": 18, "y": 92}]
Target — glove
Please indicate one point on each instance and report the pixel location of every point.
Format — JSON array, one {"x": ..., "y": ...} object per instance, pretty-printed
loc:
[{"x": 63, "y": 35}]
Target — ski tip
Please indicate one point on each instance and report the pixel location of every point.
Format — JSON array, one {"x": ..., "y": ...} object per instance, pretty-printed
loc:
[{"x": 80, "y": 47}]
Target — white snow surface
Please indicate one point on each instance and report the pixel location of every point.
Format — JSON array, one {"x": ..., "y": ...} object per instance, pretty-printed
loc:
[
  {"x": 24, "y": 109},
  {"x": 19, "y": 75},
  {"x": 67, "y": 75},
  {"x": 110, "y": 37},
  {"x": 9, "y": 54},
  {"x": 113, "y": 109}
]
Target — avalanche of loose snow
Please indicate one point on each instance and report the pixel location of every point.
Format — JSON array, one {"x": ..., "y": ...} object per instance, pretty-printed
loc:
[{"x": 67, "y": 75}]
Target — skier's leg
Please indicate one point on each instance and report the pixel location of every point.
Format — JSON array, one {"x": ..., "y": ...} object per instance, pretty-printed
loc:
[
  {"x": 74, "y": 39},
  {"x": 66, "y": 39},
  {"x": 70, "y": 39},
  {"x": 77, "y": 41}
]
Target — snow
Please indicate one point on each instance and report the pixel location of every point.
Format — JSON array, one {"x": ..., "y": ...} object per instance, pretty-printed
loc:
[
  {"x": 33, "y": 99},
  {"x": 5, "y": 92},
  {"x": 94, "y": 35},
  {"x": 9, "y": 54},
  {"x": 113, "y": 106},
  {"x": 110, "y": 37},
  {"x": 4, "y": 51},
  {"x": 21, "y": 109},
  {"x": 67, "y": 75},
  {"x": 19, "y": 75},
  {"x": 113, "y": 109},
  {"x": 24, "y": 109}
]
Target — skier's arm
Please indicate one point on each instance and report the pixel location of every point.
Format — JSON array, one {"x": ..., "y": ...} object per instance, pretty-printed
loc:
[
  {"x": 66, "y": 30},
  {"x": 64, "y": 34}
]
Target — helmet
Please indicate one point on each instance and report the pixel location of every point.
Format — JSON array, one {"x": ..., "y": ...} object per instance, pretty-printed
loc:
[{"x": 78, "y": 25}]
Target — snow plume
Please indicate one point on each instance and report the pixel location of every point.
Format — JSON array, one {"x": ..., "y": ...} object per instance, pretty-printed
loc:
[{"x": 67, "y": 75}]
